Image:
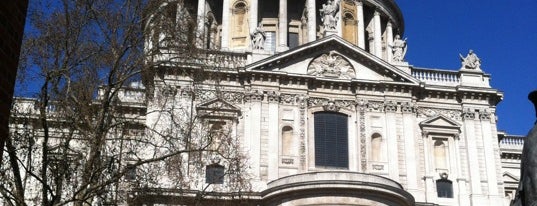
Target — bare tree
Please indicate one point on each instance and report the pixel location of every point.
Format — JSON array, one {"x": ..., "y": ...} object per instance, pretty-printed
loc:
[{"x": 89, "y": 137}]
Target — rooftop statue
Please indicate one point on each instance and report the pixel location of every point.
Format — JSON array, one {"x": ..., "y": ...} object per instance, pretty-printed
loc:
[
  {"x": 258, "y": 37},
  {"x": 328, "y": 14},
  {"x": 527, "y": 186},
  {"x": 471, "y": 61},
  {"x": 399, "y": 49}
]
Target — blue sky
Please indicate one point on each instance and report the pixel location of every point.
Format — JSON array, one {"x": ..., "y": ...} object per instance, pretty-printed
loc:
[{"x": 503, "y": 33}]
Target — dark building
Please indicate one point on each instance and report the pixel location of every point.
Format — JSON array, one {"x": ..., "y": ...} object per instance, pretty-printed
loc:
[{"x": 12, "y": 19}]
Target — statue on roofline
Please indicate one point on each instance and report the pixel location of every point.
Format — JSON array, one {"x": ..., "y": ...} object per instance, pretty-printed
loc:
[
  {"x": 399, "y": 49},
  {"x": 328, "y": 15},
  {"x": 258, "y": 37},
  {"x": 471, "y": 61}
]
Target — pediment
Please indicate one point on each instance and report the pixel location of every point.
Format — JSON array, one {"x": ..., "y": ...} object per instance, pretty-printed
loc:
[
  {"x": 332, "y": 58},
  {"x": 440, "y": 121},
  {"x": 508, "y": 177},
  {"x": 217, "y": 108}
]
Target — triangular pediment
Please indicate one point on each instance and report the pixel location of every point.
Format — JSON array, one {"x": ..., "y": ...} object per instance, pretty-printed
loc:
[
  {"x": 217, "y": 104},
  {"x": 440, "y": 121},
  {"x": 508, "y": 177},
  {"x": 332, "y": 57},
  {"x": 218, "y": 109}
]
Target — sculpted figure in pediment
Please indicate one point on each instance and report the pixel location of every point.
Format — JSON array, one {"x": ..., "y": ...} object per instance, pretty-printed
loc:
[{"x": 331, "y": 65}]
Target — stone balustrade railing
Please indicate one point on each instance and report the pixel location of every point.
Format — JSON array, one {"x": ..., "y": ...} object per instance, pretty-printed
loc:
[
  {"x": 198, "y": 57},
  {"x": 512, "y": 142},
  {"x": 436, "y": 76}
]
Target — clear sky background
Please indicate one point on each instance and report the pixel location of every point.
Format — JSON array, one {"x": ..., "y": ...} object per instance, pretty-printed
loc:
[{"x": 503, "y": 33}]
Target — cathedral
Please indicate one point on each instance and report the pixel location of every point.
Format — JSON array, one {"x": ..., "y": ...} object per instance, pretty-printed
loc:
[
  {"x": 310, "y": 102},
  {"x": 326, "y": 109}
]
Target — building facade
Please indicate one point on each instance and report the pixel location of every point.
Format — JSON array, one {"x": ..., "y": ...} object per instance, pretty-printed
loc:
[
  {"x": 328, "y": 111},
  {"x": 304, "y": 103}
]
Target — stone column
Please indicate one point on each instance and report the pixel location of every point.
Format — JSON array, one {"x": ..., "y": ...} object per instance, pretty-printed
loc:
[
  {"x": 226, "y": 11},
  {"x": 389, "y": 41},
  {"x": 361, "y": 27},
  {"x": 377, "y": 32},
  {"x": 253, "y": 15},
  {"x": 312, "y": 21},
  {"x": 201, "y": 23},
  {"x": 282, "y": 26}
]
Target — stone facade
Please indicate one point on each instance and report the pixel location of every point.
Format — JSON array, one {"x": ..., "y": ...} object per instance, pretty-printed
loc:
[
  {"x": 421, "y": 129},
  {"x": 266, "y": 73}
]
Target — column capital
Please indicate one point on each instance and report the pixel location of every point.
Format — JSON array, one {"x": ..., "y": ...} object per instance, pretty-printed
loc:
[
  {"x": 377, "y": 13},
  {"x": 389, "y": 24},
  {"x": 359, "y": 2}
]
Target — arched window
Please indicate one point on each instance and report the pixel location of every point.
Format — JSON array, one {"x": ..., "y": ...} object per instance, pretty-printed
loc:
[
  {"x": 216, "y": 134},
  {"x": 444, "y": 188},
  {"x": 376, "y": 147},
  {"x": 350, "y": 28},
  {"x": 440, "y": 154},
  {"x": 287, "y": 141},
  {"x": 239, "y": 29},
  {"x": 331, "y": 140}
]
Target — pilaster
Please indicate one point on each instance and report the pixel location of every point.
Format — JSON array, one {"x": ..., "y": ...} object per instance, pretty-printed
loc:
[
  {"x": 490, "y": 162},
  {"x": 273, "y": 135},
  {"x": 392, "y": 144},
  {"x": 469, "y": 134},
  {"x": 410, "y": 147}
]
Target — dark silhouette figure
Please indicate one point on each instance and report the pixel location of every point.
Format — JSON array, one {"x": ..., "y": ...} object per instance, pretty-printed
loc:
[{"x": 527, "y": 187}]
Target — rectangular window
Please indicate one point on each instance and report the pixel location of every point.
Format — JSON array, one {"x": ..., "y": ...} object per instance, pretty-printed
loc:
[
  {"x": 293, "y": 40},
  {"x": 270, "y": 41},
  {"x": 214, "y": 174},
  {"x": 331, "y": 140}
]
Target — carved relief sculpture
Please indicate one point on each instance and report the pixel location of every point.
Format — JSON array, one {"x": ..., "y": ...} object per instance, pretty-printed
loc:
[{"x": 331, "y": 65}]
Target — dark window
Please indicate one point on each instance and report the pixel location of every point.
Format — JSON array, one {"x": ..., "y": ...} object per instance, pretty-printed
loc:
[
  {"x": 214, "y": 174},
  {"x": 331, "y": 141},
  {"x": 444, "y": 188},
  {"x": 130, "y": 172},
  {"x": 293, "y": 40}
]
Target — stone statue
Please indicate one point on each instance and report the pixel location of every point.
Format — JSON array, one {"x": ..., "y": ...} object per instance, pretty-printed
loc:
[
  {"x": 471, "y": 61},
  {"x": 258, "y": 37},
  {"x": 328, "y": 14},
  {"x": 399, "y": 49},
  {"x": 526, "y": 194}
]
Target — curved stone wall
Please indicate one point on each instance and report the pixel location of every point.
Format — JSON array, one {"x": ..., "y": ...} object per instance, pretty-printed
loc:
[{"x": 335, "y": 187}]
